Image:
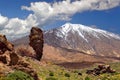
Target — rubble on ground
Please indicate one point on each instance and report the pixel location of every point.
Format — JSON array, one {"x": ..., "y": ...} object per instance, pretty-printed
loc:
[{"x": 100, "y": 70}]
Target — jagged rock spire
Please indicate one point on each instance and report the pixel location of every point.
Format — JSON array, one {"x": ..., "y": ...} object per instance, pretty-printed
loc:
[{"x": 36, "y": 41}]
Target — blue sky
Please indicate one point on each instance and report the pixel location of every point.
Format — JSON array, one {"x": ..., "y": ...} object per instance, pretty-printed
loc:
[{"x": 103, "y": 15}]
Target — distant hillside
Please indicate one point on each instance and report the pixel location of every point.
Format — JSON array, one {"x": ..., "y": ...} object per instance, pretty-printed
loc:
[{"x": 23, "y": 40}]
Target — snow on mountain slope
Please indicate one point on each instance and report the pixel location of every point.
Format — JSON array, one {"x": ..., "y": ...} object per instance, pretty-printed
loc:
[
  {"x": 83, "y": 38},
  {"x": 80, "y": 29}
]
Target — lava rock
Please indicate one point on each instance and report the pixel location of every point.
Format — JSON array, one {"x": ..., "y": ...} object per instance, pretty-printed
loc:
[
  {"x": 100, "y": 70},
  {"x": 36, "y": 41}
]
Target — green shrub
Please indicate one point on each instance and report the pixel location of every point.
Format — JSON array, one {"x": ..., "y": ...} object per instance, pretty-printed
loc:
[
  {"x": 76, "y": 71},
  {"x": 67, "y": 75},
  {"x": 51, "y": 78},
  {"x": 4, "y": 78},
  {"x": 51, "y": 74},
  {"x": 19, "y": 75},
  {"x": 87, "y": 78}
]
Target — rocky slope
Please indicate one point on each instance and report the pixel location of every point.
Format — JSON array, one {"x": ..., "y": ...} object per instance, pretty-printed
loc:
[{"x": 10, "y": 61}]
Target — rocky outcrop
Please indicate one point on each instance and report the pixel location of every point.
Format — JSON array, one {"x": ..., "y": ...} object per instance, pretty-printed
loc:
[
  {"x": 5, "y": 44},
  {"x": 13, "y": 58},
  {"x": 3, "y": 59},
  {"x": 7, "y": 53},
  {"x": 9, "y": 58},
  {"x": 26, "y": 67},
  {"x": 100, "y": 70},
  {"x": 36, "y": 41}
]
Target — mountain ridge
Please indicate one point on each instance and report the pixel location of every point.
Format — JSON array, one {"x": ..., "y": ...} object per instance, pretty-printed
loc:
[
  {"x": 83, "y": 38},
  {"x": 81, "y": 28}
]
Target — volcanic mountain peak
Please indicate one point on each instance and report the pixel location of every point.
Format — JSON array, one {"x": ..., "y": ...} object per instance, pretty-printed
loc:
[
  {"x": 80, "y": 38},
  {"x": 82, "y": 30}
]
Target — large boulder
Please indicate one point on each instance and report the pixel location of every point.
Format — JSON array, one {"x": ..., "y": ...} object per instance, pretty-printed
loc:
[
  {"x": 13, "y": 58},
  {"x": 5, "y": 44},
  {"x": 36, "y": 41},
  {"x": 3, "y": 59},
  {"x": 7, "y": 53}
]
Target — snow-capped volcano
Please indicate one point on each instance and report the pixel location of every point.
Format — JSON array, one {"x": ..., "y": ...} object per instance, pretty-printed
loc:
[{"x": 83, "y": 38}]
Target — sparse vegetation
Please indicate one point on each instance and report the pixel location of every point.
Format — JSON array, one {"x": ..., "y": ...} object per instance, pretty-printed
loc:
[
  {"x": 51, "y": 74},
  {"x": 54, "y": 72},
  {"x": 51, "y": 78},
  {"x": 17, "y": 75},
  {"x": 67, "y": 75},
  {"x": 87, "y": 78}
]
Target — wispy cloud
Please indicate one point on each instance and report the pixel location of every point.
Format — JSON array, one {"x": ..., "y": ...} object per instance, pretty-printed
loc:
[{"x": 45, "y": 13}]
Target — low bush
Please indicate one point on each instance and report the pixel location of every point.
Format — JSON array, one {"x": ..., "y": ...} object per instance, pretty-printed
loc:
[
  {"x": 51, "y": 78},
  {"x": 18, "y": 75},
  {"x": 67, "y": 75},
  {"x": 51, "y": 74},
  {"x": 87, "y": 78}
]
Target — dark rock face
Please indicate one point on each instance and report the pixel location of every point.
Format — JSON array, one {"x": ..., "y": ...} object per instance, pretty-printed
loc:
[
  {"x": 36, "y": 41},
  {"x": 14, "y": 58},
  {"x": 3, "y": 59},
  {"x": 5, "y": 44},
  {"x": 7, "y": 52}
]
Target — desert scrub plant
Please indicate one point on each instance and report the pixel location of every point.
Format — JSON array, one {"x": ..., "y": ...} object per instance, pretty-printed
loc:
[
  {"x": 3, "y": 78},
  {"x": 51, "y": 78},
  {"x": 110, "y": 77},
  {"x": 25, "y": 51},
  {"x": 87, "y": 78},
  {"x": 76, "y": 71},
  {"x": 18, "y": 75},
  {"x": 67, "y": 75},
  {"x": 51, "y": 74}
]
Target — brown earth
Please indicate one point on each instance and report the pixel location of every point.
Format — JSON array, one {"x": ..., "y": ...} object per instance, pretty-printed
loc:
[
  {"x": 71, "y": 59},
  {"x": 78, "y": 65}
]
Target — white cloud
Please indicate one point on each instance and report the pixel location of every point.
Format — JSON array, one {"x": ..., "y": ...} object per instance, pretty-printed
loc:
[
  {"x": 3, "y": 21},
  {"x": 105, "y": 4},
  {"x": 16, "y": 28},
  {"x": 45, "y": 13},
  {"x": 65, "y": 9}
]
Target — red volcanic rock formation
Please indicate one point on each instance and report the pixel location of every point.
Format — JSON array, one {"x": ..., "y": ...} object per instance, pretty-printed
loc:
[
  {"x": 9, "y": 58},
  {"x": 7, "y": 53},
  {"x": 5, "y": 44},
  {"x": 36, "y": 41}
]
